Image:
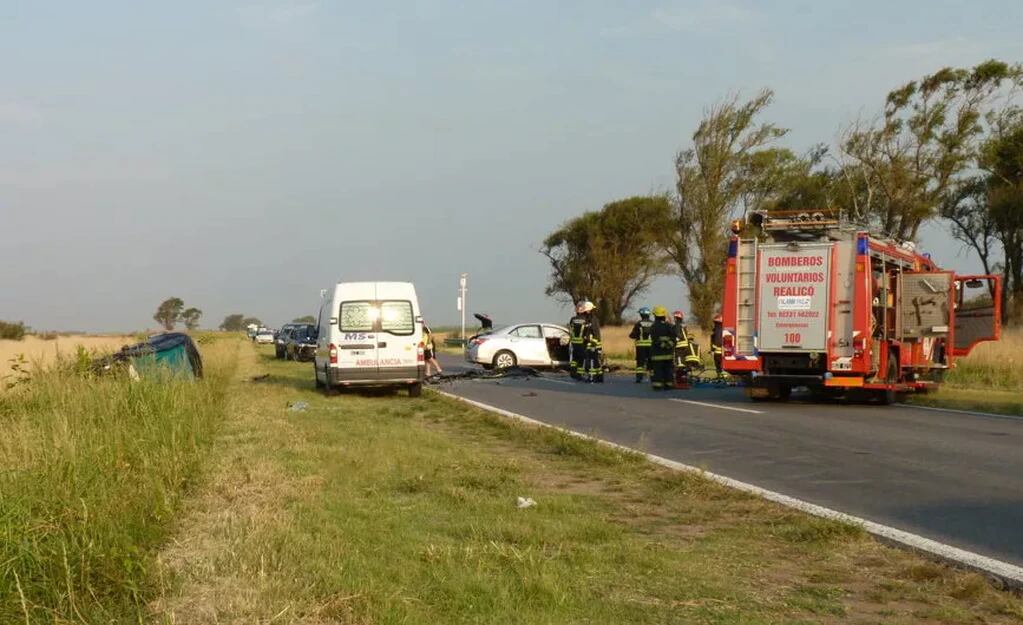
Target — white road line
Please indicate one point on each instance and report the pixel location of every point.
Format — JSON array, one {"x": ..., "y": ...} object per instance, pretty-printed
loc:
[
  {"x": 709, "y": 405},
  {"x": 555, "y": 381},
  {"x": 993, "y": 415},
  {"x": 1010, "y": 575}
]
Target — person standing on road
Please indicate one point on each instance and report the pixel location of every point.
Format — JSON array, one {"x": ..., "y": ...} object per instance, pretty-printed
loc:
[
  {"x": 662, "y": 350},
  {"x": 430, "y": 352},
  {"x": 577, "y": 341},
  {"x": 641, "y": 337},
  {"x": 593, "y": 360},
  {"x": 716, "y": 344}
]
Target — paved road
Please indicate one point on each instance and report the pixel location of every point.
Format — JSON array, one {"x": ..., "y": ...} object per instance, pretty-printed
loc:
[{"x": 955, "y": 478}]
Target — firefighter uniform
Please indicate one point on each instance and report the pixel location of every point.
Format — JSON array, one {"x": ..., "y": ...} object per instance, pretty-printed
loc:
[
  {"x": 687, "y": 352},
  {"x": 662, "y": 351},
  {"x": 593, "y": 360},
  {"x": 577, "y": 344},
  {"x": 641, "y": 336},
  {"x": 716, "y": 342}
]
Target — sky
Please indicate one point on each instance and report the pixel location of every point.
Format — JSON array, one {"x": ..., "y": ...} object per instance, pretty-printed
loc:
[{"x": 244, "y": 155}]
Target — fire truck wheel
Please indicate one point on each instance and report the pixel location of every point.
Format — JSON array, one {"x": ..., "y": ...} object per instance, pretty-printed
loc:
[
  {"x": 783, "y": 392},
  {"x": 889, "y": 396}
]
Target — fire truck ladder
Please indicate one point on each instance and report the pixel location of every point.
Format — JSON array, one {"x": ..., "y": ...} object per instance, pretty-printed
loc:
[{"x": 745, "y": 319}]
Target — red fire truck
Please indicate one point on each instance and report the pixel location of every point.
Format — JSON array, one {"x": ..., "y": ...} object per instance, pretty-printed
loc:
[{"x": 813, "y": 302}]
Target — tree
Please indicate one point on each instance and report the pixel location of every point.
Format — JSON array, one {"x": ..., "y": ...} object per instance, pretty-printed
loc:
[
  {"x": 1002, "y": 159},
  {"x": 905, "y": 165},
  {"x": 723, "y": 171},
  {"x": 304, "y": 319},
  {"x": 608, "y": 256},
  {"x": 190, "y": 317},
  {"x": 233, "y": 323},
  {"x": 169, "y": 312}
]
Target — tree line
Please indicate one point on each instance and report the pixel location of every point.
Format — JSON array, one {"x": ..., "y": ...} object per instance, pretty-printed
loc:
[
  {"x": 172, "y": 311},
  {"x": 947, "y": 148}
]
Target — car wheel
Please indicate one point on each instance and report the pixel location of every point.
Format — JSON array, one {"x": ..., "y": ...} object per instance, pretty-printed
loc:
[{"x": 505, "y": 359}]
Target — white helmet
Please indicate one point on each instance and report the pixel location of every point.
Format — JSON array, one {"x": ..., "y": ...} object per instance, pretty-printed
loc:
[{"x": 585, "y": 306}]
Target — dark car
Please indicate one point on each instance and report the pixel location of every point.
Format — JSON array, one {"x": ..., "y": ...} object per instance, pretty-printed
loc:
[
  {"x": 281, "y": 339},
  {"x": 301, "y": 343}
]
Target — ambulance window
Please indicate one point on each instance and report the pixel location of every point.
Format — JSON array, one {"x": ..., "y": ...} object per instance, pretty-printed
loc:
[
  {"x": 396, "y": 317},
  {"x": 357, "y": 317}
]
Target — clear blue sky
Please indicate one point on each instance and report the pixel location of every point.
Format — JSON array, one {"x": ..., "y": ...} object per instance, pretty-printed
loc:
[{"x": 243, "y": 155}]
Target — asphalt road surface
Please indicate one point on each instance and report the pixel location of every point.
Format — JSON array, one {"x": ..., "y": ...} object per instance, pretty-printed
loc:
[{"x": 951, "y": 477}]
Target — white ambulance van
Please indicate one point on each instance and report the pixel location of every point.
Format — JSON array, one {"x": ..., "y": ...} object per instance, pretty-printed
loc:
[{"x": 370, "y": 334}]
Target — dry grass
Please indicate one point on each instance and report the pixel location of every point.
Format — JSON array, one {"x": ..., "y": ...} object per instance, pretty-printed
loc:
[
  {"x": 40, "y": 352},
  {"x": 996, "y": 365}
]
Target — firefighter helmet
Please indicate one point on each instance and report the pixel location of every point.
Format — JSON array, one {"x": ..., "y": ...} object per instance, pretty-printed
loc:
[
  {"x": 644, "y": 312},
  {"x": 678, "y": 315},
  {"x": 717, "y": 319},
  {"x": 585, "y": 306},
  {"x": 660, "y": 311}
]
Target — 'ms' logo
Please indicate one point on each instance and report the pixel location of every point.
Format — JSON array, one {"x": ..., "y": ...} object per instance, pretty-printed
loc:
[{"x": 356, "y": 336}]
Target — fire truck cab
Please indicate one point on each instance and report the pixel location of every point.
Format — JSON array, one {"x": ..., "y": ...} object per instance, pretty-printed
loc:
[{"x": 812, "y": 302}]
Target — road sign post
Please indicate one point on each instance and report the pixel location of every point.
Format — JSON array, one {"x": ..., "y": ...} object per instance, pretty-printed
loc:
[{"x": 463, "y": 301}]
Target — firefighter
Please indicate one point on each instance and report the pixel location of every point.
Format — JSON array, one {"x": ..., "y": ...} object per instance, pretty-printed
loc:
[
  {"x": 593, "y": 358},
  {"x": 577, "y": 327},
  {"x": 687, "y": 355},
  {"x": 716, "y": 345},
  {"x": 641, "y": 336},
  {"x": 662, "y": 350}
]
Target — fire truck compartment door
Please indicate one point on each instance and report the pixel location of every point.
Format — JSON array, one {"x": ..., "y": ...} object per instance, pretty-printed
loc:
[
  {"x": 977, "y": 311},
  {"x": 793, "y": 297},
  {"x": 926, "y": 302}
]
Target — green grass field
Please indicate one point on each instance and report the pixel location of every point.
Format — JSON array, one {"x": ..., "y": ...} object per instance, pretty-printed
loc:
[
  {"x": 214, "y": 503},
  {"x": 92, "y": 476},
  {"x": 369, "y": 508}
]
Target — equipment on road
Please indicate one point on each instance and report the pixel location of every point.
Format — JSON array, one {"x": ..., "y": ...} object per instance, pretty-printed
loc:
[{"x": 813, "y": 301}]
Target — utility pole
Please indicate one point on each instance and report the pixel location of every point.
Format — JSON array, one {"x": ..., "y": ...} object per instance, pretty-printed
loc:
[{"x": 463, "y": 300}]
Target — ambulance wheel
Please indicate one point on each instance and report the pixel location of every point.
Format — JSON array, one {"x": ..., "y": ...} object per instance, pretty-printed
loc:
[
  {"x": 505, "y": 359},
  {"x": 319, "y": 384},
  {"x": 415, "y": 390}
]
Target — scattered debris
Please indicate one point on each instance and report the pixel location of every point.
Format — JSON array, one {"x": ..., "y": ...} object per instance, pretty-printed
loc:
[
  {"x": 483, "y": 374},
  {"x": 297, "y": 406},
  {"x": 529, "y": 394},
  {"x": 524, "y": 502}
]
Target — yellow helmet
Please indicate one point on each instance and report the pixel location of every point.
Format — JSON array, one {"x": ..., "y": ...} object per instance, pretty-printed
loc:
[{"x": 660, "y": 311}]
